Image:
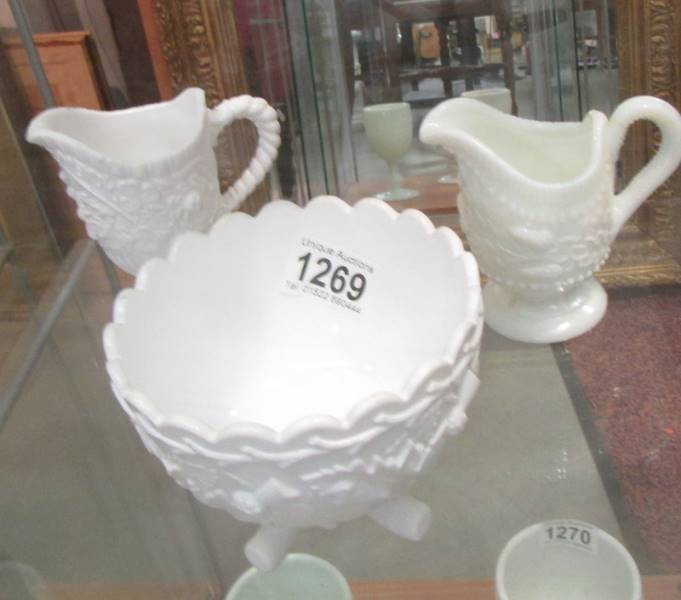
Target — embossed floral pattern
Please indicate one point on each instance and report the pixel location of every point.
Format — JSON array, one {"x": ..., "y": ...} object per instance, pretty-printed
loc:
[
  {"x": 135, "y": 210},
  {"x": 319, "y": 480},
  {"x": 520, "y": 251},
  {"x": 134, "y": 218}
]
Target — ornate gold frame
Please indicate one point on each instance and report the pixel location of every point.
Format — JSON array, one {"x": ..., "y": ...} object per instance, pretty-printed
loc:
[
  {"x": 199, "y": 43},
  {"x": 200, "y": 47}
]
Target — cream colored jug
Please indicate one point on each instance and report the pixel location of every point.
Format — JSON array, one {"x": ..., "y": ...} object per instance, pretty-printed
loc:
[
  {"x": 539, "y": 209},
  {"x": 141, "y": 175}
]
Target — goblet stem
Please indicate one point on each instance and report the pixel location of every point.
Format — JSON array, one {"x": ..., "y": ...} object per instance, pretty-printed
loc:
[
  {"x": 395, "y": 178},
  {"x": 395, "y": 190}
]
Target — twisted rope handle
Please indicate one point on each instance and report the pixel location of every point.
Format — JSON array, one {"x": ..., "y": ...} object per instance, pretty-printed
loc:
[{"x": 264, "y": 117}]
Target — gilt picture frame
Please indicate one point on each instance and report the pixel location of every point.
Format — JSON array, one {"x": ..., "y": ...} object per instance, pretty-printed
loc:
[{"x": 648, "y": 250}]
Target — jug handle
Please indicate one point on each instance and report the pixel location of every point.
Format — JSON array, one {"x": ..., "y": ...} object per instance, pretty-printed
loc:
[
  {"x": 663, "y": 164},
  {"x": 264, "y": 117}
]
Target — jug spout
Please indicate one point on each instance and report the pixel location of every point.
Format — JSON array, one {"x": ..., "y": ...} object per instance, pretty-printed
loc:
[
  {"x": 40, "y": 131},
  {"x": 129, "y": 141},
  {"x": 465, "y": 125},
  {"x": 51, "y": 129},
  {"x": 529, "y": 154},
  {"x": 434, "y": 134},
  {"x": 445, "y": 125}
]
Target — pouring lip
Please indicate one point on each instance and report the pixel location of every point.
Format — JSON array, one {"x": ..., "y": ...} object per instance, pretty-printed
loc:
[
  {"x": 39, "y": 133},
  {"x": 596, "y": 119}
]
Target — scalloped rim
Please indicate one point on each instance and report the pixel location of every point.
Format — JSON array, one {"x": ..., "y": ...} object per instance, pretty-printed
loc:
[{"x": 315, "y": 422}]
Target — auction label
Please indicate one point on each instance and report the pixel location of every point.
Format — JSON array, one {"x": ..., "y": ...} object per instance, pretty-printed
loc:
[
  {"x": 574, "y": 533},
  {"x": 328, "y": 273}
]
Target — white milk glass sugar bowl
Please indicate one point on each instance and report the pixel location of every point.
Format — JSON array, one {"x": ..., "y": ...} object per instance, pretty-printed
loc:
[
  {"x": 539, "y": 209},
  {"x": 302, "y": 367},
  {"x": 142, "y": 175},
  {"x": 389, "y": 129}
]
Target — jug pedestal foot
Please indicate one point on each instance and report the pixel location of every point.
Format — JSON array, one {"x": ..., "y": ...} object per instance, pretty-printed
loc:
[{"x": 544, "y": 317}]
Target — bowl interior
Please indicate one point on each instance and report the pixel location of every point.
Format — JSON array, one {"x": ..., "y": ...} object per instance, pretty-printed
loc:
[{"x": 220, "y": 336}]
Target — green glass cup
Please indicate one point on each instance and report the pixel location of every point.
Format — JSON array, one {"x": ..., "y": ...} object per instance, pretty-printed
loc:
[
  {"x": 389, "y": 129},
  {"x": 298, "y": 577}
]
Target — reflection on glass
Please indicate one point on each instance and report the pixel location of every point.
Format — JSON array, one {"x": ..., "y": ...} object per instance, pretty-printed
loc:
[
  {"x": 595, "y": 29},
  {"x": 499, "y": 98},
  {"x": 423, "y": 53}
]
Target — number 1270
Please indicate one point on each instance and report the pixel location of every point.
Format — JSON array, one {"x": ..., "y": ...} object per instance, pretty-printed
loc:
[{"x": 569, "y": 533}]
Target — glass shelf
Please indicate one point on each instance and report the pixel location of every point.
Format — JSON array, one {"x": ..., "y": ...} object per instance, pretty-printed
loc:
[{"x": 91, "y": 510}]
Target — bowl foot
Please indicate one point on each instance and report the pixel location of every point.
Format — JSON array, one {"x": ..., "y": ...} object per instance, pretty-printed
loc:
[
  {"x": 544, "y": 318},
  {"x": 268, "y": 547},
  {"x": 404, "y": 516}
]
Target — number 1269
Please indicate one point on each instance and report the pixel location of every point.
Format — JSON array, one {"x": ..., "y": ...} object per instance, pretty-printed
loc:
[{"x": 337, "y": 280}]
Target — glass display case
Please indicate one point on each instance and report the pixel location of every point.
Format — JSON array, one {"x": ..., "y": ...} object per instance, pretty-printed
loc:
[{"x": 586, "y": 430}]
